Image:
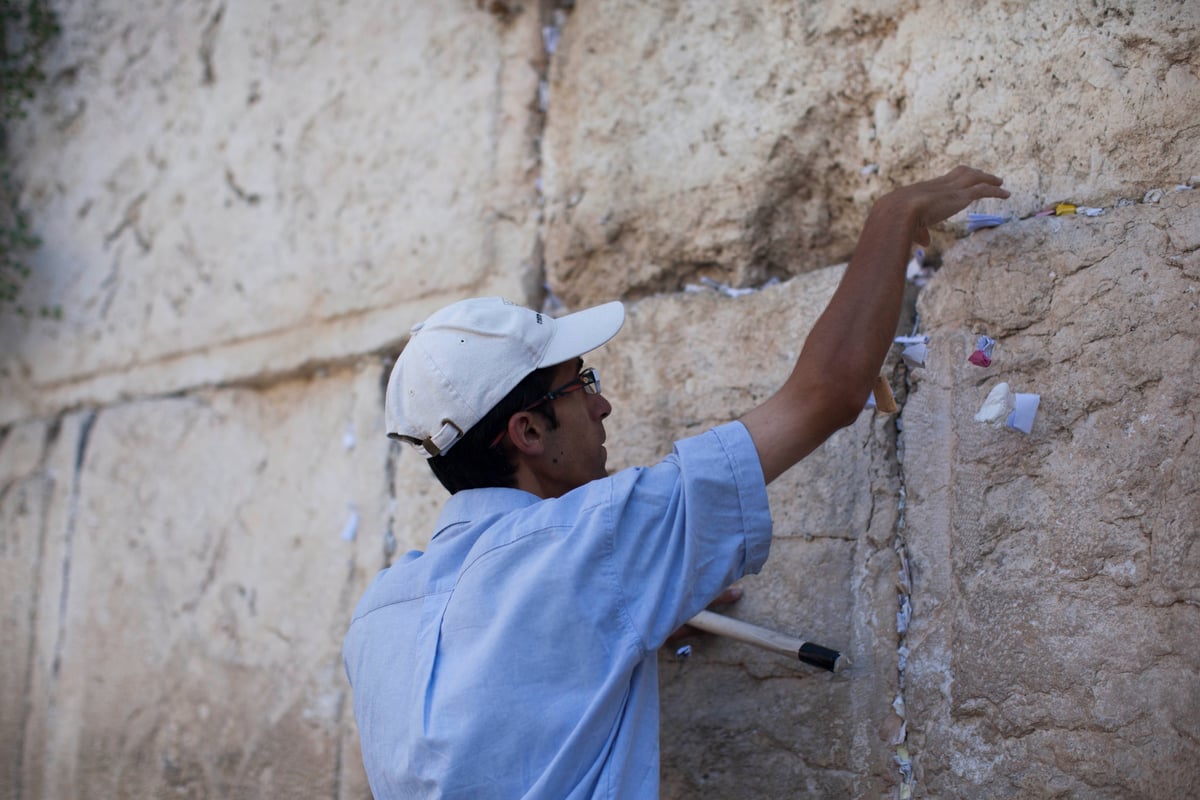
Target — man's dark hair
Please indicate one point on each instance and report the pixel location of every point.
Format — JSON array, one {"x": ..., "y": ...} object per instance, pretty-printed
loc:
[{"x": 473, "y": 462}]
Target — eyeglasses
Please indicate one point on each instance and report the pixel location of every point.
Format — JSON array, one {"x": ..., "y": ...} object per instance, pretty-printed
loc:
[{"x": 587, "y": 379}]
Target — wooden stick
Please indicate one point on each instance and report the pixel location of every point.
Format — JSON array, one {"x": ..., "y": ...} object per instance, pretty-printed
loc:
[
  {"x": 885, "y": 401},
  {"x": 807, "y": 652}
]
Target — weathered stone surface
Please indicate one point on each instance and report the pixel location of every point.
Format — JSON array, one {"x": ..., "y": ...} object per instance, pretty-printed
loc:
[
  {"x": 215, "y": 546},
  {"x": 39, "y": 486},
  {"x": 228, "y": 191},
  {"x": 1057, "y": 575},
  {"x": 27, "y": 496},
  {"x": 743, "y": 140},
  {"x": 244, "y": 209},
  {"x": 738, "y": 722}
]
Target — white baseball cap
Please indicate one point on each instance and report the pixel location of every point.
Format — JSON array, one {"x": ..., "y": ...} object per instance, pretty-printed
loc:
[{"x": 463, "y": 360}]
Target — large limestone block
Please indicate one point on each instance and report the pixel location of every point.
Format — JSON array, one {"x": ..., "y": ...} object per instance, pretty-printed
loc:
[
  {"x": 738, "y": 722},
  {"x": 1056, "y": 575},
  {"x": 745, "y": 139},
  {"x": 37, "y": 479},
  {"x": 24, "y": 494},
  {"x": 189, "y": 624},
  {"x": 233, "y": 190}
]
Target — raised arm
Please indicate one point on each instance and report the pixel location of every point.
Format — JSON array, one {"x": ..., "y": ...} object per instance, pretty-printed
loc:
[{"x": 845, "y": 349}]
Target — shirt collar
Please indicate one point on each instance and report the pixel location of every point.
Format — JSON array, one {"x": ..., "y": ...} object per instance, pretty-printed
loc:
[{"x": 471, "y": 505}]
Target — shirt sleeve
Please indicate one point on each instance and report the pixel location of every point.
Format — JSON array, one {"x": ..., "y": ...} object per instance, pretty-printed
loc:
[{"x": 688, "y": 527}]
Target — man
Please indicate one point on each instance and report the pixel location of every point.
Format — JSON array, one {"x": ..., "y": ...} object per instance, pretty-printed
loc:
[{"x": 516, "y": 656}]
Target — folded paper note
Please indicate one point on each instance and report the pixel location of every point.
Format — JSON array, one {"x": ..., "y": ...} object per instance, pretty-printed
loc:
[
  {"x": 725, "y": 288},
  {"x": 982, "y": 357},
  {"x": 998, "y": 405},
  {"x": 1016, "y": 409},
  {"x": 977, "y": 221},
  {"x": 916, "y": 272},
  {"x": 1025, "y": 409},
  {"x": 914, "y": 355}
]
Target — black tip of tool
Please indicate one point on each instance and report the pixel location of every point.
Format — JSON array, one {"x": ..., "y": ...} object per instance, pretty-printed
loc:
[{"x": 819, "y": 656}]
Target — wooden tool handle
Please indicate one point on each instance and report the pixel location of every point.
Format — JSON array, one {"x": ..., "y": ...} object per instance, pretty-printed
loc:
[{"x": 807, "y": 652}]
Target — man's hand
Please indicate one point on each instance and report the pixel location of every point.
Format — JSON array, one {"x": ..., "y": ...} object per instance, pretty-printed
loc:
[{"x": 930, "y": 202}]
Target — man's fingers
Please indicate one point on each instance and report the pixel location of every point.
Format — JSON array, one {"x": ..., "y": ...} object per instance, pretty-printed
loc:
[
  {"x": 968, "y": 176},
  {"x": 990, "y": 190},
  {"x": 966, "y": 184},
  {"x": 977, "y": 191},
  {"x": 943, "y": 197}
]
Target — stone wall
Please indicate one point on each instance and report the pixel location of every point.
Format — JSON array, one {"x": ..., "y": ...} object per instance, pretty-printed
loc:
[
  {"x": 245, "y": 207},
  {"x": 1057, "y": 575}
]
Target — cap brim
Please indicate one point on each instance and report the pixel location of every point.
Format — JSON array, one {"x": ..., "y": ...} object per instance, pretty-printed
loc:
[{"x": 582, "y": 332}]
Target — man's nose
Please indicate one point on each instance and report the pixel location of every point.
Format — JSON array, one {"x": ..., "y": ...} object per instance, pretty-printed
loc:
[{"x": 601, "y": 408}]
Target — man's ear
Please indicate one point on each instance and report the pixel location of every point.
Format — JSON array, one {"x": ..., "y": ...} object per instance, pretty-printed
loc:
[{"x": 526, "y": 431}]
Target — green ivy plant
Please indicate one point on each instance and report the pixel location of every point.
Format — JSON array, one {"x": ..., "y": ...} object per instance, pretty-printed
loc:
[{"x": 26, "y": 30}]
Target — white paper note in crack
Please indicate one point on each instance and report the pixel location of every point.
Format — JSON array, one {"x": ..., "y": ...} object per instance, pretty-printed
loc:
[
  {"x": 915, "y": 354},
  {"x": 998, "y": 405},
  {"x": 1015, "y": 410},
  {"x": 1025, "y": 408}
]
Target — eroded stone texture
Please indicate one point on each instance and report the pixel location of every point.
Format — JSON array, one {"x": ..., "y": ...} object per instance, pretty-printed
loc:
[
  {"x": 743, "y": 140},
  {"x": 233, "y": 195},
  {"x": 1057, "y": 575},
  {"x": 217, "y": 545},
  {"x": 739, "y": 722},
  {"x": 40, "y": 503},
  {"x": 26, "y": 499},
  {"x": 225, "y": 190}
]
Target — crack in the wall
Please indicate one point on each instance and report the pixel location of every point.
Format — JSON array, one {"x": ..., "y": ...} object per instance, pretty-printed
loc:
[
  {"x": 52, "y": 434},
  {"x": 129, "y": 220},
  {"x": 85, "y": 433},
  {"x": 208, "y": 42},
  {"x": 246, "y": 196},
  {"x": 388, "y": 547},
  {"x": 552, "y": 16},
  {"x": 902, "y": 757}
]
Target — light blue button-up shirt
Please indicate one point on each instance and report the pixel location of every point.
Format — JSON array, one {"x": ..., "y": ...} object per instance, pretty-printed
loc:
[{"x": 516, "y": 656}]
